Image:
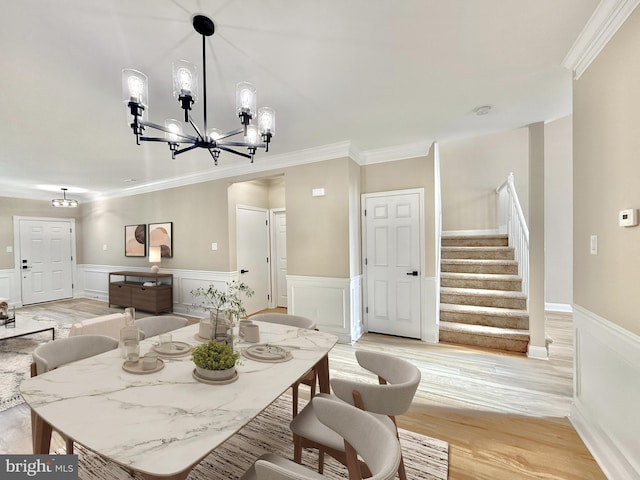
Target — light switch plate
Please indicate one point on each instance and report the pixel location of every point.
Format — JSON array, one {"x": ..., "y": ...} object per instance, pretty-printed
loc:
[{"x": 594, "y": 244}]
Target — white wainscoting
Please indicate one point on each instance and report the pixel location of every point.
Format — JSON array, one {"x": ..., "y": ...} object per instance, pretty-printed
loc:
[
  {"x": 334, "y": 303},
  {"x": 93, "y": 282},
  {"x": 430, "y": 310},
  {"x": 607, "y": 393},
  {"x": 10, "y": 287}
]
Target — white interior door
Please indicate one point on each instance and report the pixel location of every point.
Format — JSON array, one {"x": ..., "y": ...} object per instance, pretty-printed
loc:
[
  {"x": 252, "y": 236},
  {"x": 392, "y": 263},
  {"x": 279, "y": 258},
  {"x": 45, "y": 260}
]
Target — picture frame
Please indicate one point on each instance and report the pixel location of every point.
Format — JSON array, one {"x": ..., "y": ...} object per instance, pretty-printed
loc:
[
  {"x": 161, "y": 235},
  {"x": 135, "y": 240}
]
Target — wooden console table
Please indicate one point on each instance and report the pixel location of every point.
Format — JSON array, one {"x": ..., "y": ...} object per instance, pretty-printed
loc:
[{"x": 130, "y": 291}]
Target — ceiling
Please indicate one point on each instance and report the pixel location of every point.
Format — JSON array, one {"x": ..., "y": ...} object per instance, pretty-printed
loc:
[{"x": 363, "y": 76}]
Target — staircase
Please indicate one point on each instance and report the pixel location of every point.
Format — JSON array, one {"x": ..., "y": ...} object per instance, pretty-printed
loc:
[{"x": 481, "y": 299}]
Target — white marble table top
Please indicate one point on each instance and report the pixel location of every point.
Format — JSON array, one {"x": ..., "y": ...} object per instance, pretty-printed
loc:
[{"x": 165, "y": 422}]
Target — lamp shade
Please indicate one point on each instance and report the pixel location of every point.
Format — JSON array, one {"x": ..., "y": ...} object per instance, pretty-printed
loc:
[
  {"x": 185, "y": 79},
  {"x": 245, "y": 99},
  {"x": 135, "y": 87},
  {"x": 155, "y": 255},
  {"x": 267, "y": 120}
]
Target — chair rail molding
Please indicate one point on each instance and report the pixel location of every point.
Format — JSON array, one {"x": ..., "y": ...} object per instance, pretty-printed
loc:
[{"x": 606, "y": 394}]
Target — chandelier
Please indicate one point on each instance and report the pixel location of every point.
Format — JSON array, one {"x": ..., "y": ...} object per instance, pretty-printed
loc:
[
  {"x": 64, "y": 202},
  {"x": 185, "y": 89}
]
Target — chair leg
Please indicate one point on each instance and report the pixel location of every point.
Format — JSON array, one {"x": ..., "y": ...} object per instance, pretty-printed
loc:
[
  {"x": 320, "y": 461},
  {"x": 297, "y": 448},
  {"x": 401, "y": 472},
  {"x": 69, "y": 446},
  {"x": 294, "y": 391}
]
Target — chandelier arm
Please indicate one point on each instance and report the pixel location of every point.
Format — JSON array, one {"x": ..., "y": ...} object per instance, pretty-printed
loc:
[
  {"x": 154, "y": 139},
  {"x": 186, "y": 149},
  {"x": 166, "y": 130},
  {"x": 230, "y": 134},
  {"x": 231, "y": 150},
  {"x": 195, "y": 127},
  {"x": 243, "y": 144}
]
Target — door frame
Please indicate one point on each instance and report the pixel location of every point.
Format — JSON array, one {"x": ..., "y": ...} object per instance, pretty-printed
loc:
[
  {"x": 363, "y": 229},
  {"x": 273, "y": 301},
  {"x": 17, "y": 253}
]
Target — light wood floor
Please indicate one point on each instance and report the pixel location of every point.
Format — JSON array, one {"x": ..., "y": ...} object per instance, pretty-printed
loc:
[{"x": 503, "y": 415}]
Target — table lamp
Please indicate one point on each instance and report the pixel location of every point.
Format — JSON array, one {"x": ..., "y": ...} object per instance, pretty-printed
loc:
[{"x": 155, "y": 257}]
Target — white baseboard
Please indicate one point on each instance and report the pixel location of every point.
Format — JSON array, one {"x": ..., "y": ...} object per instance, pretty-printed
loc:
[
  {"x": 607, "y": 393},
  {"x": 558, "y": 307}
]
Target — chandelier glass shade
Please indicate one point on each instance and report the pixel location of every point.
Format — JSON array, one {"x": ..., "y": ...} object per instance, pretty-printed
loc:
[
  {"x": 64, "y": 202},
  {"x": 257, "y": 124}
]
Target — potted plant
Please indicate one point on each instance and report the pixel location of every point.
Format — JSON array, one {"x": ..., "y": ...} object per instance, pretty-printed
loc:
[
  {"x": 224, "y": 306},
  {"x": 215, "y": 361}
]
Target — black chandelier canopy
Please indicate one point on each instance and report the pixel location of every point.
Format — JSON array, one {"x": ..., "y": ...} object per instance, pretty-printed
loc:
[{"x": 185, "y": 89}]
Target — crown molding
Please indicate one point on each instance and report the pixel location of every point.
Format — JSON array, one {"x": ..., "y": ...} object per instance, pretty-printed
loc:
[
  {"x": 264, "y": 163},
  {"x": 396, "y": 152},
  {"x": 607, "y": 18}
]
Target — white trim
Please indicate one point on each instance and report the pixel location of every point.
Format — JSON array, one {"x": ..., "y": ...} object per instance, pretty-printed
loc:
[
  {"x": 273, "y": 264},
  {"x": 10, "y": 287},
  {"x": 558, "y": 307},
  {"x": 606, "y": 393},
  {"x": 326, "y": 300},
  {"x": 396, "y": 152},
  {"x": 537, "y": 353},
  {"x": 607, "y": 18},
  {"x": 466, "y": 233}
]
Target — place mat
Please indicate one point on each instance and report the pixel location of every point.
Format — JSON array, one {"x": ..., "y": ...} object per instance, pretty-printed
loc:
[
  {"x": 267, "y": 353},
  {"x": 137, "y": 367},
  {"x": 178, "y": 349},
  {"x": 214, "y": 382}
]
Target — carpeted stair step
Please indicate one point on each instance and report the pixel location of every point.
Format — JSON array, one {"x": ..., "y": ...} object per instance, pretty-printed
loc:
[
  {"x": 500, "y": 267},
  {"x": 474, "y": 240},
  {"x": 479, "y": 280},
  {"x": 487, "y": 253},
  {"x": 483, "y": 298},
  {"x": 512, "y": 340},
  {"x": 487, "y": 316}
]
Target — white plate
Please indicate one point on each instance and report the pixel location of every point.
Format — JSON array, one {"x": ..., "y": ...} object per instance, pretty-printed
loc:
[{"x": 266, "y": 352}]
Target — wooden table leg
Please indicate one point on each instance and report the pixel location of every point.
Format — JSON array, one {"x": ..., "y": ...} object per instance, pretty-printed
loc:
[
  {"x": 40, "y": 434},
  {"x": 322, "y": 368}
]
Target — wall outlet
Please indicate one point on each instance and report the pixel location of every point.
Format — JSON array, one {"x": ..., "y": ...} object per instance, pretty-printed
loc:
[
  {"x": 214, "y": 246},
  {"x": 594, "y": 244}
]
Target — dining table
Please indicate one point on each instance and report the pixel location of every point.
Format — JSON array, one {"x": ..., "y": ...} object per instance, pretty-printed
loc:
[{"x": 162, "y": 424}]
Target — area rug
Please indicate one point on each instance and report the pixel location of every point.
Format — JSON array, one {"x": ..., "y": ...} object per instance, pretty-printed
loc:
[
  {"x": 425, "y": 458},
  {"x": 15, "y": 354}
]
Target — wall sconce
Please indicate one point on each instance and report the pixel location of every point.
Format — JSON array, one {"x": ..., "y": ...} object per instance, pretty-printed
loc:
[{"x": 155, "y": 257}]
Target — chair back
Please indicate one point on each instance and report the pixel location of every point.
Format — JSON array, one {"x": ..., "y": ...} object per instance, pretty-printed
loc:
[
  {"x": 152, "y": 326},
  {"x": 272, "y": 471},
  {"x": 378, "y": 446},
  {"x": 392, "y": 398},
  {"x": 285, "y": 319},
  {"x": 66, "y": 350}
]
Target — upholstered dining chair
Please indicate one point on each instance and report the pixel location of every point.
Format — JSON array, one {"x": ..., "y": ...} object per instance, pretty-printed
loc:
[
  {"x": 57, "y": 353},
  {"x": 398, "y": 381},
  {"x": 362, "y": 436},
  {"x": 152, "y": 326},
  {"x": 309, "y": 378}
]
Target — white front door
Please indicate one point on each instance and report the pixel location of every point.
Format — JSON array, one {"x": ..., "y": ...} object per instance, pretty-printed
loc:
[
  {"x": 279, "y": 258},
  {"x": 45, "y": 260},
  {"x": 252, "y": 237},
  {"x": 392, "y": 267}
]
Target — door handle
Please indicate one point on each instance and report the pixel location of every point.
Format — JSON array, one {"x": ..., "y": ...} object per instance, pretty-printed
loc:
[
  {"x": 242, "y": 270},
  {"x": 413, "y": 274}
]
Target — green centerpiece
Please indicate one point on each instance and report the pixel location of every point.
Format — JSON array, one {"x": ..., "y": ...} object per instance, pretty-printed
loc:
[{"x": 215, "y": 361}]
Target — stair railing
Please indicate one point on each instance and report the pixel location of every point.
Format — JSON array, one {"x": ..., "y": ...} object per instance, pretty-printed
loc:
[{"x": 512, "y": 222}]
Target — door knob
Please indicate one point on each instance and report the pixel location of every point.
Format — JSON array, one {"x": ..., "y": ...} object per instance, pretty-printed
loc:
[
  {"x": 413, "y": 274},
  {"x": 242, "y": 270}
]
